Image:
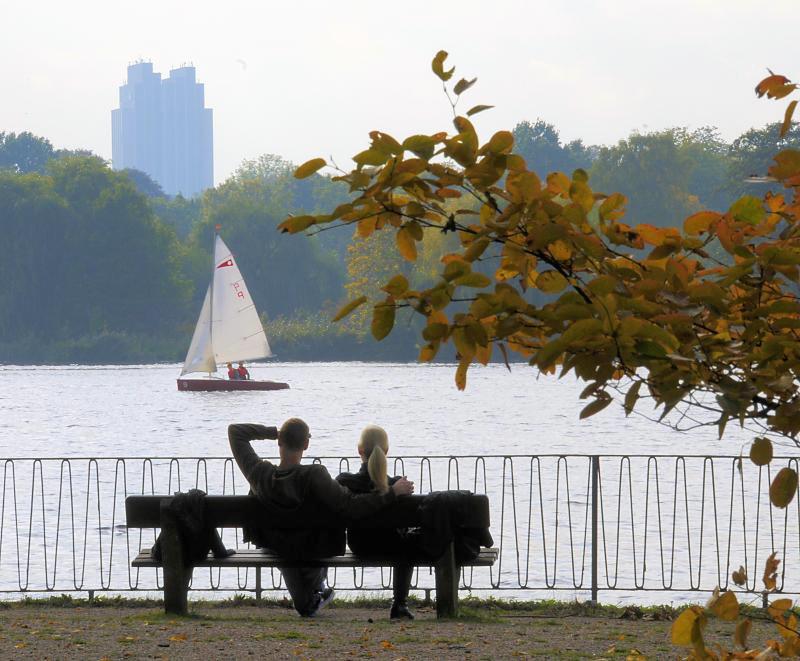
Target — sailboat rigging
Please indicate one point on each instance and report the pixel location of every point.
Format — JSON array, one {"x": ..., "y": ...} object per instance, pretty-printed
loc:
[{"x": 228, "y": 330}]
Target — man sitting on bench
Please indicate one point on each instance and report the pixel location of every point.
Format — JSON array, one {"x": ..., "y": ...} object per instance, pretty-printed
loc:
[{"x": 302, "y": 489}]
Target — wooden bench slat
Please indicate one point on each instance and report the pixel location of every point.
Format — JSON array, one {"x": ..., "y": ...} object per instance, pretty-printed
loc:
[{"x": 257, "y": 558}]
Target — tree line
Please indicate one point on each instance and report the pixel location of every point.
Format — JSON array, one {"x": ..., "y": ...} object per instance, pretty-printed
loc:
[{"x": 101, "y": 265}]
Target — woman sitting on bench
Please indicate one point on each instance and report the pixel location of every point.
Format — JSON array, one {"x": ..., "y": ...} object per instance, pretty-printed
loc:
[{"x": 373, "y": 447}]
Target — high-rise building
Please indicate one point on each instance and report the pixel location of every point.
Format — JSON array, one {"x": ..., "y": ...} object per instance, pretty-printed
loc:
[{"x": 163, "y": 128}]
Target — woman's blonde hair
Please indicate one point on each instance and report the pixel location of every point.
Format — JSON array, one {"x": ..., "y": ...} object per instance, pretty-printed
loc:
[{"x": 374, "y": 445}]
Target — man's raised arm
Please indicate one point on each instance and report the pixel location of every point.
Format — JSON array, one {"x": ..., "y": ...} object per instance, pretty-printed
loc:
[{"x": 240, "y": 436}]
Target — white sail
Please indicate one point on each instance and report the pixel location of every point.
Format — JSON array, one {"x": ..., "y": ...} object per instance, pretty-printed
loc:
[
  {"x": 228, "y": 329},
  {"x": 200, "y": 357}
]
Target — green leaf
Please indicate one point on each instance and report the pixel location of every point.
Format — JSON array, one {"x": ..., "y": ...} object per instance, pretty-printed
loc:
[
  {"x": 477, "y": 280},
  {"x": 551, "y": 282},
  {"x": 748, "y": 209},
  {"x": 420, "y": 145},
  {"x": 309, "y": 167},
  {"x": 631, "y": 397},
  {"x": 476, "y": 109},
  {"x": 761, "y": 451},
  {"x": 595, "y": 407},
  {"x": 397, "y": 286},
  {"x": 347, "y": 309},
  {"x": 463, "y": 85},
  {"x": 371, "y": 157},
  {"x": 783, "y": 487},
  {"x": 383, "y": 319},
  {"x": 295, "y": 224},
  {"x": 437, "y": 65}
]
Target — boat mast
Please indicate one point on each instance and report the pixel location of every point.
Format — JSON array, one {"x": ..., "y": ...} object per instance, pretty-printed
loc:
[{"x": 217, "y": 228}]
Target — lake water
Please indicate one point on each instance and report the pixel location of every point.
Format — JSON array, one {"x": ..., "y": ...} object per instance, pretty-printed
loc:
[
  {"x": 138, "y": 411},
  {"x": 665, "y": 522}
]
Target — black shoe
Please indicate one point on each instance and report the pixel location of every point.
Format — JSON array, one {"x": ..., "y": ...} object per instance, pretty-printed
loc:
[
  {"x": 400, "y": 611},
  {"x": 323, "y": 599}
]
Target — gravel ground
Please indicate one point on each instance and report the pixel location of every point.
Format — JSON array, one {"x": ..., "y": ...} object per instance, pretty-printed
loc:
[{"x": 242, "y": 632}]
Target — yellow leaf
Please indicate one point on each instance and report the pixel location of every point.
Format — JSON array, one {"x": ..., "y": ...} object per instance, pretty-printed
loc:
[
  {"x": 476, "y": 109},
  {"x": 397, "y": 286},
  {"x": 461, "y": 373},
  {"x": 551, "y": 282},
  {"x": 700, "y": 222},
  {"x": 742, "y": 632},
  {"x": 427, "y": 353},
  {"x": 688, "y": 627},
  {"x": 178, "y": 637},
  {"x": 463, "y": 85},
  {"x": 385, "y": 644},
  {"x": 652, "y": 235},
  {"x": 761, "y": 451},
  {"x": 437, "y": 65},
  {"x": 500, "y": 142},
  {"x": 383, "y": 318},
  {"x": 295, "y": 224},
  {"x": 725, "y": 606},
  {"x": 347, "y": 309},
  {"x": 787, "y": 118},
  {"x": 309, "y": 167},
  {"x": 476, "y": 280},
  {"x": 406, "y": 244},
  {"x": 778, "y": 607},
  {"x": 783, "y": 487},
  {"x": 560, "y": 250}
]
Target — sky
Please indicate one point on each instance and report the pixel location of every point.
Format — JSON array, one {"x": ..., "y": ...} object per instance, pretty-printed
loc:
[{"x": 310, "y": 78}]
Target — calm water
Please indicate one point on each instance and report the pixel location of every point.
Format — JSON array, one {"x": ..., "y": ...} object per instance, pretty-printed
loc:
[
  {"x": 137, "y": 411},
  {"x": 665, "y": 523}
]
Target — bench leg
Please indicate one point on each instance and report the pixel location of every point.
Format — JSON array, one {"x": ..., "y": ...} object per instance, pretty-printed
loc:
[
  {"x": 176, "y": 574},
  {"x": 447, "y": 584}
]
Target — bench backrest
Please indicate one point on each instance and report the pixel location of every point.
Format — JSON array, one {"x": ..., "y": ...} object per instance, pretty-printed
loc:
[{"x": 238, "y": 511}]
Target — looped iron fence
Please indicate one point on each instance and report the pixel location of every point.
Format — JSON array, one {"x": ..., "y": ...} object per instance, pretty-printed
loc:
[{"x": 583, "y": 524}]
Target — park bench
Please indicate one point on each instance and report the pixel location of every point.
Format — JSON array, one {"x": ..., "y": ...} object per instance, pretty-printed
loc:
[{"x": 241, "y": 511}]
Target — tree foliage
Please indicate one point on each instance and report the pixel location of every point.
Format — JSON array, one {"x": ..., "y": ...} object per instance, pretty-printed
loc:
[
  {"x": 642, "y": 310},
  {"x": 84, "y": 255}
]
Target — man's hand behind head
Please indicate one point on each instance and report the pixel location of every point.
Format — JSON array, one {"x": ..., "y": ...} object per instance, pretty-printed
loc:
[{"x": 403, "y": 487}]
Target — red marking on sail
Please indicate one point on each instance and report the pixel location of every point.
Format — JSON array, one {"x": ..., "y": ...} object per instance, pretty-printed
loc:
[{"x": 227, "y": 262}]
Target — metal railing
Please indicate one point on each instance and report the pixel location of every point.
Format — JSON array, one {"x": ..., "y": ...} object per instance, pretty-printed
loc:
[{"x": 586, "y": 524}]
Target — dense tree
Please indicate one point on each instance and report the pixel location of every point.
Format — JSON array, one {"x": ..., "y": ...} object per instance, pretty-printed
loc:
[
  {"x": 85, "y": 255},
  {"x": 24, "y": 152},
  {"x": 179, "y": 213},
  {"x": 540, "y": 145},
  {"x": 751, "y": 155},
  {"x": 144, "y": 183},
  {"x": 653, "y": 172},
  {"x": 283, "y": 277}
]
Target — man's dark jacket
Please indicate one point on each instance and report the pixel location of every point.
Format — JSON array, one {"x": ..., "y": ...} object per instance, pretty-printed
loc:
[{"x": 304, "y": 491}]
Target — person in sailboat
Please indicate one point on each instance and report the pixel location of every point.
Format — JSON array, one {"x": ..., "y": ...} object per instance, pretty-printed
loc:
[
  {"x": 233, "y": 374},
  {"x": 302, "y": 490},
  {"x": 244, "y": 375},
  {"x": 372, "y": 478}
]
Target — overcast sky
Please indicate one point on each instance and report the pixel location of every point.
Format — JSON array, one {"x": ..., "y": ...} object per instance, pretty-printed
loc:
[{"x": 303, "y": 79}]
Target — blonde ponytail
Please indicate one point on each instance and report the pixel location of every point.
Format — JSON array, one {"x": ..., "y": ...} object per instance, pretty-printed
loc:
[
  {"x": 374, "y": 445},
  {"x": 376, "y": 467}
]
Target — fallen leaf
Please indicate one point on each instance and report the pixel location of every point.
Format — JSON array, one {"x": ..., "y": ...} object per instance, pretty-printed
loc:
[{"x": 178, "y": 637}]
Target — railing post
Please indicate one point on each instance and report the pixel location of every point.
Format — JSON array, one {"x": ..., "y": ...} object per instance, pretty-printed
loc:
[
  {"x": 595, "y": 468},
  {"x": 258, "y": 584}
]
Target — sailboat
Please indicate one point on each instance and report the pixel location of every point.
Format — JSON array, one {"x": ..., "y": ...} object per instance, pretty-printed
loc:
[{"x": 228, "y": 330}]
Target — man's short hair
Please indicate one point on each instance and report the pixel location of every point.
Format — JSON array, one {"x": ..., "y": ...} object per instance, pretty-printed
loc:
[{"x": 293, "y": 434}]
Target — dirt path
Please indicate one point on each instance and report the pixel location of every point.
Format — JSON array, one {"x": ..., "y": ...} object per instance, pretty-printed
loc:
[{"x": 243, "y": 632}]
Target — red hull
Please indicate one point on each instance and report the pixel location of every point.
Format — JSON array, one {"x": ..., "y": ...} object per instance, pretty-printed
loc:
[{"x": 223, "y": 385}]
